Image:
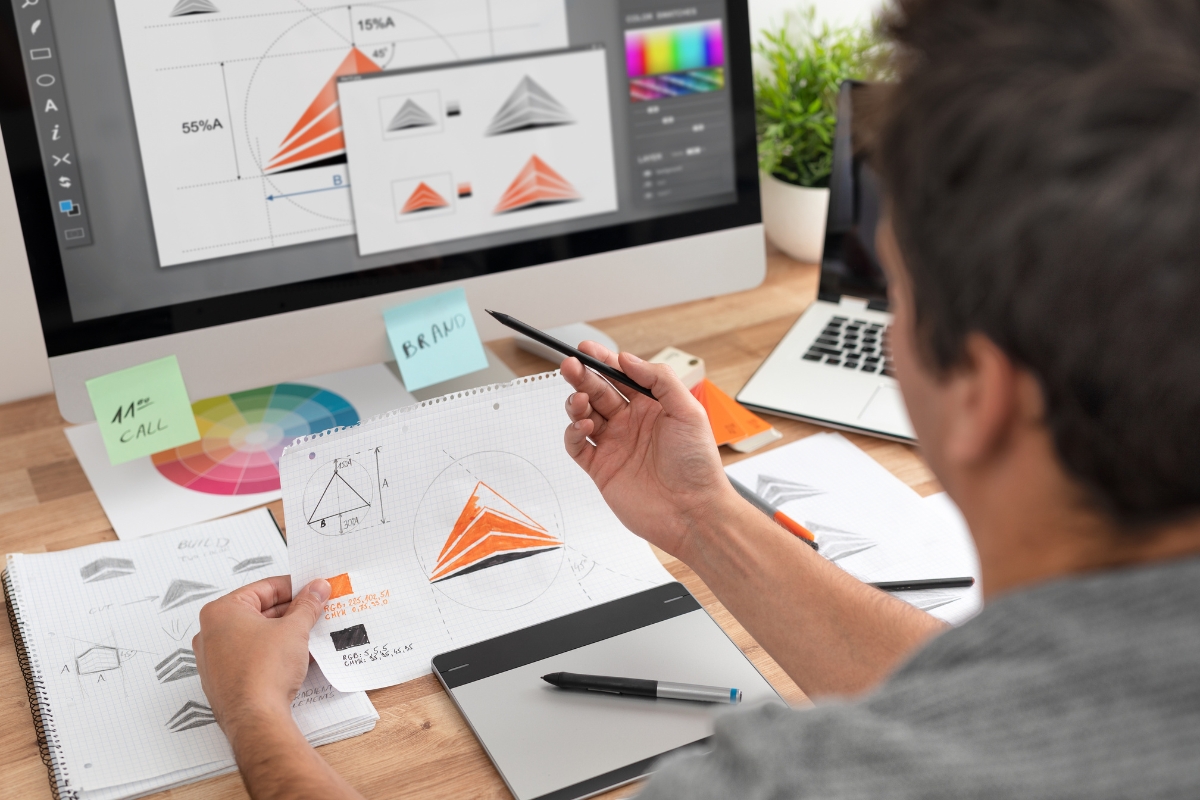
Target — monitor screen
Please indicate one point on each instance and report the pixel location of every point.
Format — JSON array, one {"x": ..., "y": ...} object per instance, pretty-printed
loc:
[
  {"x": 186, "y": 163},
  {"x": 850, "y": 263}
]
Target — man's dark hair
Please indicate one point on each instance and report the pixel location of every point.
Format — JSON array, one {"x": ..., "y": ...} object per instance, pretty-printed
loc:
[{"x": 1042, "y": 162}]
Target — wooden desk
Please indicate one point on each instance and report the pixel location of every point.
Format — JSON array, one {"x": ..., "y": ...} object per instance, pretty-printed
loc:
[{"x": 420, "y": 747}]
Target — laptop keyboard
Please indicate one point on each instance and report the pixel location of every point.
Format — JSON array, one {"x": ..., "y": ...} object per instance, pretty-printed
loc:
[{"x": 853, "y": 344}]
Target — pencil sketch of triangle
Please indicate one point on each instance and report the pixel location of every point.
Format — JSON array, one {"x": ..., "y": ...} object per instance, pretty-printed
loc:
[
  {"x": 338, "y": 498},
  {"x": 778, "y": 491},
  {"x": 182, "y": 591},
  {"x": 191, "y": 715},
  {"x": 185, "y": 7},
  {"x": 836, "y": 543},
  {"x": 490, "y": 531},
  {"x": 529, "y": 106},
  {"x": 410, "y": 115}
]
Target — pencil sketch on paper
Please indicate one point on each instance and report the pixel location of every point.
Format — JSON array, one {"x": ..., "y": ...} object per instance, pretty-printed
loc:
[
  {"x": 180, "y": 664},
  {"x": 929, "y": 599},
  {"x": 191, "y": 715},
  {"x": 182, "y": 591},
  {"x": 97, "y": 658},
  {"x": 836, "y": 543},
  {"x": 251, "y": 564},
  {"x": 778, "y": 491},
  {"x": 103, "y": 569},
  {"x": 177, "y": 630}
]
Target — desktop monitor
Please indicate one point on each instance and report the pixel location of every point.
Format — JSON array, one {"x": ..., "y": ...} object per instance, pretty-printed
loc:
[{"x": 247, "y": 185}]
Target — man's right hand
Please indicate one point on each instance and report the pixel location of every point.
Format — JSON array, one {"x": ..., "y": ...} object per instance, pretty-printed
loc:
[{"x": 655, "y": 462}]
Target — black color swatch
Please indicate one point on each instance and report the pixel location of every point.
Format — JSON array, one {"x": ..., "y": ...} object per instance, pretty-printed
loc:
[{"x": 354, "y": 636}]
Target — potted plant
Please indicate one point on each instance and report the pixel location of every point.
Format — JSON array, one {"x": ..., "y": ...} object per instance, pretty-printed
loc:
[{"x": 798, "y": 71}]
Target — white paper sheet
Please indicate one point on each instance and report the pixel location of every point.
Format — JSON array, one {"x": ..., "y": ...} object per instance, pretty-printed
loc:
[
  {"x": 109, "y": 629},
  {"x": 866, "y": 520},
  {"x": 378, "y": 505},
  {"x": 139, "y": 500}
]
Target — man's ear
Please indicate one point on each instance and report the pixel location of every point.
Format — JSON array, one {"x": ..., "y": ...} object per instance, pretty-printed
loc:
[{"x": 987, "y": 398}]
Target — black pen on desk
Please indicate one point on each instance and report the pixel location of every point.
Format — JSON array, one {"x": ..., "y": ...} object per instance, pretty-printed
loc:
[
  {"x": 932, "y": 583},
  {"x": 591, "y": 363},
  {"x": 644, "y": 688}
]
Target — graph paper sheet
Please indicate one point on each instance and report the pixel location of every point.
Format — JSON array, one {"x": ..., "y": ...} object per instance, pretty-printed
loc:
[
  {"x": 449, "y": 522},
  {"x": 109, "y": 630},
  {"x": 866, "y": 520}
]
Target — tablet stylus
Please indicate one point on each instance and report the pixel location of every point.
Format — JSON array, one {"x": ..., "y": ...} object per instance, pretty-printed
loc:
[{"x": 644, "y": 688}]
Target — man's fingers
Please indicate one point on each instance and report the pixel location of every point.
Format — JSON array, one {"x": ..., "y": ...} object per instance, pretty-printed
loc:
[
  {"x": 579, "y": 407},
  {"x": 600, "y": 353},
  {"x": 308, "y": 604},
  {"x": 606, "y": 400},
  {"x": 265, "y": 594},
  {"x": 664, "y": 384},
  {"x": 578, "y": 447}
]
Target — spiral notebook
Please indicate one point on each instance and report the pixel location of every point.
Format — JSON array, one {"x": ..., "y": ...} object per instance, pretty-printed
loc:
[
  {"x": 103, "y": 636},
  {"x": 449, "y": 522}
]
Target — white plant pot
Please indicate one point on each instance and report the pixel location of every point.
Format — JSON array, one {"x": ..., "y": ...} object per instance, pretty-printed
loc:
[{"x": 794, "y": 217}]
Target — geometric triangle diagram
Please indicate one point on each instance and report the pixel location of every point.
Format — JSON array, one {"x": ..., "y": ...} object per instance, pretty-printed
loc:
[
  {"x": 181, "y": 591},
  {"x": 318, "y": 132},
  {"x": 931, "y": 598},
  {"x": 423, "y": 198},
  {"x": 99, "y": 658},
  {"x": 778, "y": 491},
  {"x": 490, "y": 531},
  {"x": 536, "y": 184},
  {"x": 191, "y": 715},
  {"x": 836, "y": 543},
  {"x": 410, "y": 115},
  {"x": 178, "y": 665},
  {"x": 104, "y": 568},
  {"x": 338, "y": 497},
  {"x": 529, "y": 106},
  {"x": 185, "y": 7},
  {"x": 251, "y": 564}
]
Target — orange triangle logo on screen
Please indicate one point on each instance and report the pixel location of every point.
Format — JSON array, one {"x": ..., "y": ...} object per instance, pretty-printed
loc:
[
  {"x": 318, "y": 133},
  {"x": 423, "y": 198},
  {"x": 490, "y": 531}
]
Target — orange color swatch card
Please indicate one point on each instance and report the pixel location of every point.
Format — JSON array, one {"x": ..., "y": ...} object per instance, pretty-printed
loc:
[{"x": 729, "y": 420}]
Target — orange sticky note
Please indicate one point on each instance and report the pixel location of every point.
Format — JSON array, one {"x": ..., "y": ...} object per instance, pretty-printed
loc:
[
  {"x": 339, "y": 585},
  {"x": 730, "y": 422}
]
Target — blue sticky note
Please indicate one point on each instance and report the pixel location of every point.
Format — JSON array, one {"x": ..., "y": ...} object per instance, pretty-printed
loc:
[{"x": 434, "y": 339}]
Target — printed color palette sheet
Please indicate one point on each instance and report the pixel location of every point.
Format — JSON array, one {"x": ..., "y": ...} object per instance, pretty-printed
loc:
[{"x": 449, "y": 522}]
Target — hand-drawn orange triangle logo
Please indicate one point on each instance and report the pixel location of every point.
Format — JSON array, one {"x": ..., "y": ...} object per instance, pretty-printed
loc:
[{"x": 490, "y": 531}]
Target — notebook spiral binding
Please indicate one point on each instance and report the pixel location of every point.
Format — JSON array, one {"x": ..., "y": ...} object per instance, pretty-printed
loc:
[
  {"x": 446, "y": 398},
  {"x": 39, "y": 702}
]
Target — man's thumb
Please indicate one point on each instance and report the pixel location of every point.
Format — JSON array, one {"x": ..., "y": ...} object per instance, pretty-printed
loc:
[{"x": 307, "y": 606}]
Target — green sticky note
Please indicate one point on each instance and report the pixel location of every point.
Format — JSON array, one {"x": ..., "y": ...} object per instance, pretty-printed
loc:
[
  {"x": 434, "y": 339},
  {"x": 143, "y": 410}
]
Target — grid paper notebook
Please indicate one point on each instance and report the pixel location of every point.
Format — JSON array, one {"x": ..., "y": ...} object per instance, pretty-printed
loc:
[
  {"x": 449, "y": 522},
  {"x": 104, "y": 635}
]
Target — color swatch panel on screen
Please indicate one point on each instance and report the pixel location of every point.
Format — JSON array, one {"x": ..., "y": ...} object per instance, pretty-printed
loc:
[
  {"x": 243, "y": 434},
  {"x": 674, "y": 48}
]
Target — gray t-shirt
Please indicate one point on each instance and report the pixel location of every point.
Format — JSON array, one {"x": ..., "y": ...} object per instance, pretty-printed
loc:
[{"x": 1086, "y": 687}]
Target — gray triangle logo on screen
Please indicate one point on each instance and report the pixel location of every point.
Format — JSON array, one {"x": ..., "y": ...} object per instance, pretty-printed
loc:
[
  {"x": 410, "y": 115},
  {"x": 185, "y": 7},
  {"x": 529, "y": 106}
]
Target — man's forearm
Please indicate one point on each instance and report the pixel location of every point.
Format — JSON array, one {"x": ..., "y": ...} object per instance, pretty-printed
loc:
[
  {"x": 277, "y": 762},
  {"x": 830, "y": 632}
]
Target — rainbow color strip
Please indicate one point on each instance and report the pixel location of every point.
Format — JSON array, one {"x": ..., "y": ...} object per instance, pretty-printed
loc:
[{"x": 674, "y": 48}]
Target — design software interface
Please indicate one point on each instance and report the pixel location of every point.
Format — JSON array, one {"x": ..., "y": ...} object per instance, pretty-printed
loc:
[{"x": 198, "y": 148}]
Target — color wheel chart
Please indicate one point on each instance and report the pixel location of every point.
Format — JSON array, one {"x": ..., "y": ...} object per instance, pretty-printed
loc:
[{"x": 242, "y": 436}]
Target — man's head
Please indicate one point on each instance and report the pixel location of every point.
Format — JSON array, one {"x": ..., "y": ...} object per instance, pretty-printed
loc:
[{"x": 1042, "y": 164}]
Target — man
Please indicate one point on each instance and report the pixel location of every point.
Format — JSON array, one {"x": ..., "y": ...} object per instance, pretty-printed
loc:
[{"x": 1042, "y": 165}]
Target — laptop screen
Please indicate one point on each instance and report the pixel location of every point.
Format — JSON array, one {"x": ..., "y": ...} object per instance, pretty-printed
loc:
[{"x": 849, "y": 263}]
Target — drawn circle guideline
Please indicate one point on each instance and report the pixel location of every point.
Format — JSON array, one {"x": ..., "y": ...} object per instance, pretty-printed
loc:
[
  {"x": 523, "y": 489},
  {"x": 338, "y": 497}
]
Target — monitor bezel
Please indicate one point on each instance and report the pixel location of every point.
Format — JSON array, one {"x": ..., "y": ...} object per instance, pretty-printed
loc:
[{"x": 64, "y": 336}]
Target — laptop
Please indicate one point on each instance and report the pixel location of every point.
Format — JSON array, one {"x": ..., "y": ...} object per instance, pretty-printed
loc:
[{"x": 834, "y": 366}]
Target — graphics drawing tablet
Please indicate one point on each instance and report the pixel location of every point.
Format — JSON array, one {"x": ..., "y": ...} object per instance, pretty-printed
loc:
[{"x": 555, "y": 744}]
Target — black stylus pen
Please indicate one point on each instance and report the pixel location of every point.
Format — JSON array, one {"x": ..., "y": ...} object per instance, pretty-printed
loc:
[
  {"x": 932, "y": 583},
  {"x": 567, "y": 350},
  {"x": 644, "y": 688}
]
